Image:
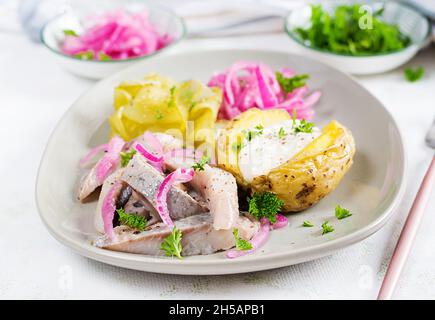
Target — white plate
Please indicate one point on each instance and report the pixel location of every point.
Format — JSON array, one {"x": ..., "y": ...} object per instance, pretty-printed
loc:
[{"x": 371, "y": 190}]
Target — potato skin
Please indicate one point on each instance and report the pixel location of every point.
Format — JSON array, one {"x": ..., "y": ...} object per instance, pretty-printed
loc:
[{"x": 314, "y": 172}]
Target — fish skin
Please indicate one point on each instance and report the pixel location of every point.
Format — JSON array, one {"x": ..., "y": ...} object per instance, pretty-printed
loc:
[
  {"x": 87, "y": 184},
  {"x": 219, "y": 188},
  {"x": 146, "y": 180},
  {"x": 199, "y": 236}
]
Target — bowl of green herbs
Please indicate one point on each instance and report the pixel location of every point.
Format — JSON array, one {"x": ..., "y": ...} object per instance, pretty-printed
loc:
[{"x": 356, "y": 37}]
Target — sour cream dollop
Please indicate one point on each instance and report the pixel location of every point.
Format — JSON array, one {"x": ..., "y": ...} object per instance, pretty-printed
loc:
[{"x": 271, "y": 147}]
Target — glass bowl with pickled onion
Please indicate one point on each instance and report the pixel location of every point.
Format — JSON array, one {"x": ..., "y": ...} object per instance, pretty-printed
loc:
[{"x": 98, "y": 40}]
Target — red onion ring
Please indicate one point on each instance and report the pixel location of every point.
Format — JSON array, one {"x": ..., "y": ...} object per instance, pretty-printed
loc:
[
  {"x": 108, "y": 210},
  {"x": 180, "y": 175}
]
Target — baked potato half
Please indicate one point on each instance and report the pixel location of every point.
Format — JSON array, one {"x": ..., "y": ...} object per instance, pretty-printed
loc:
[
  {"x": 231, "y": 137},
  {"x": 308, "y": 176}
]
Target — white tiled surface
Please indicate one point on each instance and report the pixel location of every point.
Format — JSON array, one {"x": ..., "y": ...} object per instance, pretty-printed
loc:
[{"x": 34, "y": 93}]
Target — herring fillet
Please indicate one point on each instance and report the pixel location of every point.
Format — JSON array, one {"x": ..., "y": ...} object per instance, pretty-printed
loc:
[
  {"x": 146, "y": 180},
  {"x": 88, "y": 183},
  {"x": 219, "y": 189},
  {"x": 199, "y": 236}
]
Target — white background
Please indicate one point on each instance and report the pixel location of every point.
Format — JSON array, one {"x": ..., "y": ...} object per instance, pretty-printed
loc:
[{"x": 35, "y": 92}]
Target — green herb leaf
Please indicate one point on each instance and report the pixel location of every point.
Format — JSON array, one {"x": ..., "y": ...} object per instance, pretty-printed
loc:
[
  {"x": 172, "y": 90},
  {"x": 126, "y": 157},
  {"x": 86, "y": 55},
  {"x": 158, "y": 115},
  {"x": 307, "y": 224},
  {"x": 241, "y": 244},
  {"x": 131, "y": 220},
  {"x": 303, "y": 126},
  {"x": 171, "y": 245},
  {"x": 199, "y": 166},
  {"x": 104, "y": 57},
  {"x": 413, "y": 75},
  {"x": 237, "y": 146},
  {"x": 289, "y": 84},
  {"x": 341, "y": 213},
  {"x": 259, "y": 129},
  {"x": 326, "y": 228},
  {"x": 351, "y": 30},
  {"x": 69, "y": 32},
  {"x": 265, "y": 204},
  {"x": 250, "y": 134},
  {"x": 282, "y": 133}
]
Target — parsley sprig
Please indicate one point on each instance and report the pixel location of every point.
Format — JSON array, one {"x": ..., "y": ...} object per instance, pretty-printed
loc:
[
  {"x": 241, "y": 244},
  {"x": 131, "y": 220},
  {"x": 265, "y": 204},
  {"x": 327, "y": 228},
  {"x": 413, "y": 75},
  {"x": 85, "y": 55},
  {"x": 303, "y": 125},
  {"x": 69, "y": 32},
  {"x": 126, "y": 157},
  {"x": 291, "y": 83},
  {"x": 199, "y": 166},
  {"x": 307, "y": 224},
  {"x": 250, "y": 134},
  {"x": 171, "y": 245},
  {"x": 341, "y": 213}
]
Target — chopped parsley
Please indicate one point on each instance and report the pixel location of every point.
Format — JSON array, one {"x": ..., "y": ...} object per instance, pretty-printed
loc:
[
  {"x": 307, "y": 224},
  {"x": 241, "y": 244},
  {"x": 352, "y": 30},
  {"x": 172, "y": 90},
  {"x": 193, "y": 105},
  {"x": 69, "y": 32},
  {"x": 171, "y": 245},
  {"x": 291, "y": 83},
  {"x": 237, "y": 146},
  {"x": 104, "y": 57},
  {"x": 259, "y": 129},
  {"x": 158, "y": 115},
  {"x": 326, "y": 228},
  {"x": 85, "y": 55},
  {"x": 131, "y": 220},
  {"x": 413, "y": 75},
  {"x": 341, "y": 213},
  {"x": 265, "y": 204},
  {"x": 250, "y": 134},
  {"x": 282, "y": 133},
  {"x": 303, "y": 125},
  {"x": 199, "y": 166},
  {"x": 126, "y": 157}
]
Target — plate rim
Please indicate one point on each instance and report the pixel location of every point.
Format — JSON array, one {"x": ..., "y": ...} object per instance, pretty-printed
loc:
[{"x": 250, "y": 263}]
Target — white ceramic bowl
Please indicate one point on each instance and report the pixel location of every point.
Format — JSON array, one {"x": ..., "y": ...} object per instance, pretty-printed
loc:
[
  {"x": 409, "y": 21},
  {"x": 52, "y": 36}
]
